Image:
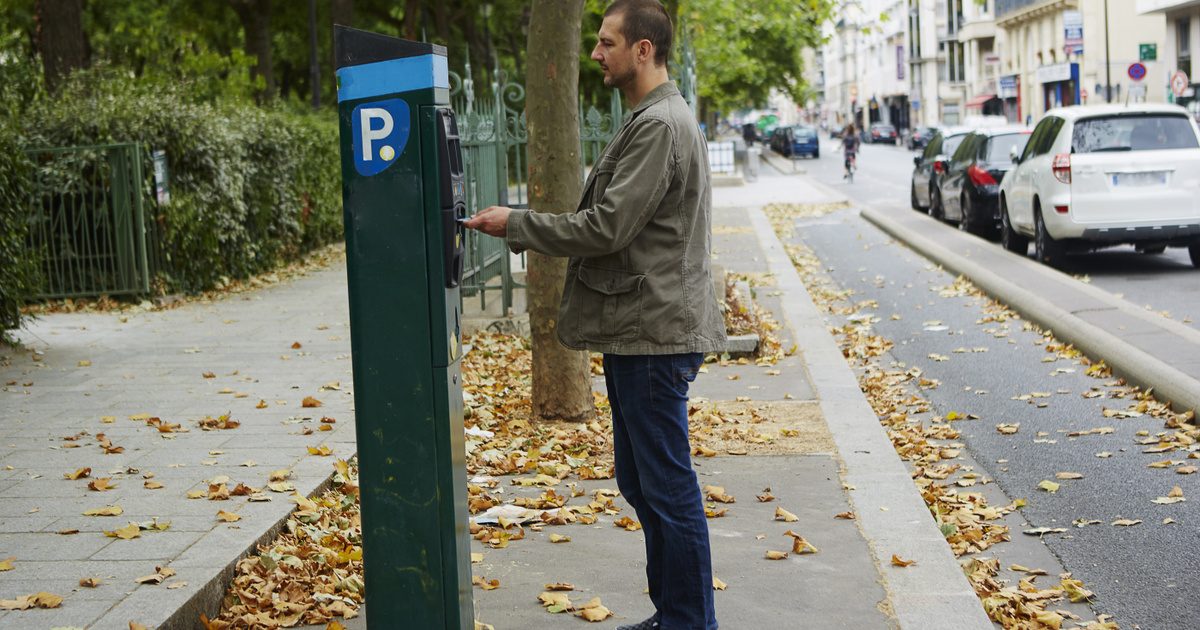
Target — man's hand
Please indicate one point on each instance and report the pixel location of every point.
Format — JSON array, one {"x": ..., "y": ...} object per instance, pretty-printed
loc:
[{"x": 492, "y": 221}]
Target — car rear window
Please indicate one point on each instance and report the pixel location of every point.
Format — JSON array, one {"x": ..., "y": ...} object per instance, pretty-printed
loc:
[
  {"x": 804, "y": 133},
  {"x": 1150, "y": 132},
  {"x": 998, "y": 147}
]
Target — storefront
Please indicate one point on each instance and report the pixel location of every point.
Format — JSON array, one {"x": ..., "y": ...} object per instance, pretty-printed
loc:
[
  {"x": 898, "y": 108},
  {"x": 1010, "y": 97},
  {"x": 1060, "y": 85},
  {"x": 985, "y": 104}
]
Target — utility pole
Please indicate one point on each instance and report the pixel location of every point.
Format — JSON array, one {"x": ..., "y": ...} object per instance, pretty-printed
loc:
[{"x": 1107, "y": 61}]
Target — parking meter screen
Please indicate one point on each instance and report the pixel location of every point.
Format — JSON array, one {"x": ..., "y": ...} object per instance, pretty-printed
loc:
[{"x": 379, "y": 133}]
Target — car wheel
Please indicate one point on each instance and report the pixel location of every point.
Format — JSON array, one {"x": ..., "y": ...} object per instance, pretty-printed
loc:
[
  {"x": 964, "y": 211},
  {"x": 1009, "y": 238},
  {"x": 816, "y": 155},
  {"x": 1047, "y": 249},
  {"x": 935, "y": 203},
  {"x": 1194, "y": 252},
  {"x": 916, "y": 205},
  {"x": 1157, "y": 249}
]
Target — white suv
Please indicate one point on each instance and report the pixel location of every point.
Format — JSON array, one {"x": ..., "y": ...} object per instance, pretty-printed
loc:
[{"x": 1100, "y": 175}]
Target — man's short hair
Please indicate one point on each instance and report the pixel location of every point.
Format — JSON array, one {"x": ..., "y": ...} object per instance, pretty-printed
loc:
[{"x": 645, "y": 19}]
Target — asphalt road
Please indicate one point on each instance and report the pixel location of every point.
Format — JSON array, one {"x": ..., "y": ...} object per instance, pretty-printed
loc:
[
  {"x": 1143, "y": 575},
  {"x": 1165, "y": 282}
]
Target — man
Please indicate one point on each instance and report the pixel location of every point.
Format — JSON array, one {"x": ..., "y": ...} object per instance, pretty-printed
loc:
[
  {"x": 639, "y": 290},
  {"x": 850, "y": 143}
]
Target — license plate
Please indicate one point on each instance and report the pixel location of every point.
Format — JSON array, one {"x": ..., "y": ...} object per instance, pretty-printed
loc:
[{"x": 1152, "y": 178}]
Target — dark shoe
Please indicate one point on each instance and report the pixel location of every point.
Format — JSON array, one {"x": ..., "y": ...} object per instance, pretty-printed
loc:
[{"x": 649, "y": 624}]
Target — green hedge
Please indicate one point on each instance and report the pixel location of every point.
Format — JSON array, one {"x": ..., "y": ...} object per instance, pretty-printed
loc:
[
  {"x": 251, "y": 188},
  {"x": 16, "y": 269}
]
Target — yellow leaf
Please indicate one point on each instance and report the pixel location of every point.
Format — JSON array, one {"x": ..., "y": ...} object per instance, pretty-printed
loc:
[
  {"x": 196, "y": 494},
  {"x": 85, "y": 363},
  {"x": 309, "y": 401},
  {"x": 476, "y": 557},
  {"x": 628, "y": 523},
  {"x": 560, "y": 586},
  {"x": 262, "y": 404},
  {"x": 1048, "y": 486},
  {"x": 559, "y": 538},
  {"x": 7, "y": 564},
  {"x": 89, "y": 582},
  {"x": 321, "y": 450},
  {"x": 129, "y": 532},
  {"x": 897, "y": 561},
  {"x": 133, "y": 625},
  {"x": 785, "y": 516},
  {"x": 777, "y": 555},
  {"x": 101, "y": 484},
  {"x": 718, "y": 585},
  {"x": 78, "y": 474},
  {"x": 152, "y": 485},
  {"x": 1068, "y": 475},
  {"x": 111, "y": 510},
  {"x": 108, "y": 419},
  {"x": 228, "y": 517},
  {"x": 280, "y": 475}
]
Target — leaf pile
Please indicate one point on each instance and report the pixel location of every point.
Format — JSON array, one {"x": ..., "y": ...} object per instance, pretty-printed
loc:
[
  {"x": 311, "y": 573},
  {"x": 745, "y": 316}
]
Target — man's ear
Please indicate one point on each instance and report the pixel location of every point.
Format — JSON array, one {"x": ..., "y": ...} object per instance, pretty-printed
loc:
[{"x": 645, "y": 51}]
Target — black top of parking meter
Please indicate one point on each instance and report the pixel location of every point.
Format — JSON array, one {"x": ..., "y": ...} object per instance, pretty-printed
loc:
[{"x": 353, "y": 47}]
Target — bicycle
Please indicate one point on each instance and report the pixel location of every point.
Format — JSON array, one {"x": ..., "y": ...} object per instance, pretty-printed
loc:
[{"x": 851, "y": 166}]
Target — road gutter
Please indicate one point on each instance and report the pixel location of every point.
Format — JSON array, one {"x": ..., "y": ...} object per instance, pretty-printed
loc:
[
  {"x": 932, "y": 594},
  {"x": 1124, "y": 357}
]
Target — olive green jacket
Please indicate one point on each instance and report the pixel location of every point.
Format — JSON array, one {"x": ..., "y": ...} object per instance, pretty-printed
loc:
[{"x": 639, "y": 279}]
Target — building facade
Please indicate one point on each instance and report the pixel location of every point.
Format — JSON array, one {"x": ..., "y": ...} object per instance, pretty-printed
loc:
[{"x": 1182, "y": 31}]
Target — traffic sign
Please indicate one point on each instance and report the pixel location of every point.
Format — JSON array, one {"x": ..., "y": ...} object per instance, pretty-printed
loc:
[
  {"x": 1137, "y": 71},
  {"x": 1147, "y": 52},
  {"x": 1179, "y": 82}
]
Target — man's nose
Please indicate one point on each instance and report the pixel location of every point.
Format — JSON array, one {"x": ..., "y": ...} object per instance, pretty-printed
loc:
[{"x": 596, "y": 56}]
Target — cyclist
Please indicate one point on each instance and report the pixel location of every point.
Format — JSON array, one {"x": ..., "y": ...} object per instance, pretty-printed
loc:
[{"x": 850, "y": 149}]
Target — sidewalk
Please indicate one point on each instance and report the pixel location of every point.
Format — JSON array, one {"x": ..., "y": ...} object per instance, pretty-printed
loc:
[{"x": 837, "y": 460}]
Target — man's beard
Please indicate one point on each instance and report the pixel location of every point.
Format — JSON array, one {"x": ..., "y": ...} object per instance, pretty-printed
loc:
[{"x": 619, "y": 81}]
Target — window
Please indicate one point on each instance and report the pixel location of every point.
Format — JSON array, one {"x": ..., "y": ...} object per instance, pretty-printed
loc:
[
  {"x": 933, "y": 148},
  {"x": 966, "y": 149},
  {"x": 1048, "y": 128},
  {"x": 1151, "y": 132},
  {"x": 951, "y": 144},
  {"x": 999, "y": 148},
  {"x": 1183, "y": 39}
]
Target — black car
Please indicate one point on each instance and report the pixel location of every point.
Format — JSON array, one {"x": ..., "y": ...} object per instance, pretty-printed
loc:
[
  {"x": 929, "y": 166},
  {"x": 920, "y": 138},
  {"x": 880, "y": 132},
  {"x": 969, "y": 187}
]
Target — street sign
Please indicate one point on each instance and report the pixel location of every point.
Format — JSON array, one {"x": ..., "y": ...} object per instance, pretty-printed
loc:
[
  {"x": 1137, "y": 92},
  {"x": 1179, "y": 82},
  {"x": 1137, "y": 71},
  {"x": 1147, "y": 52}
]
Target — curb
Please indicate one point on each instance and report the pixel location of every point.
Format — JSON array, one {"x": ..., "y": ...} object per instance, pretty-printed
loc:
[
  {"x": 1126, "y": 359},
  {"x": 934, "y": 593}
]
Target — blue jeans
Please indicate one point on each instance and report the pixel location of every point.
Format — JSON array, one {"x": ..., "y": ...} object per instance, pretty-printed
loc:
[{"x": 648, "y": 394}]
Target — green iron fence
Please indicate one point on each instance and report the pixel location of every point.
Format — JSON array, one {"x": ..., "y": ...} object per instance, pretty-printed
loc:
[{"x": 88, "y": 222}]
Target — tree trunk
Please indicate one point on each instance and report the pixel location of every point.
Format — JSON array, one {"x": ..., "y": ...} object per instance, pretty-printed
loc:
[
  {"x": 412, "y": 20},
  {"x": 342, "y": 12},
  {"x": 60, "y": 39},
  {"x": 561, "y": 377},
  {"x": 255, "y": 16}
]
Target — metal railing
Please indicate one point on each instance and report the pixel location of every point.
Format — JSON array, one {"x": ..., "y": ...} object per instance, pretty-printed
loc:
[{"x": 87, "y": 221}]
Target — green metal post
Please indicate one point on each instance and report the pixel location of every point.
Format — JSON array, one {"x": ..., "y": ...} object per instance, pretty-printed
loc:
[{"x": 404, "y": 194}]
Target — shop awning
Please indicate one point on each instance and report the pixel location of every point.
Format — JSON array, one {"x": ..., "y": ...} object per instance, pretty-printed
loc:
[{"x": 978, "y": 101}]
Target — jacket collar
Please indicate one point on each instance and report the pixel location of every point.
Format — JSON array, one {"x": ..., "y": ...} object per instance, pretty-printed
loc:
[{"x": 657, "y": 94}]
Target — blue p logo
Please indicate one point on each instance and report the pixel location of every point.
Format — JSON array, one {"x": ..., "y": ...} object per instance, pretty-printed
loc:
[{"x": 380, "y": 132}]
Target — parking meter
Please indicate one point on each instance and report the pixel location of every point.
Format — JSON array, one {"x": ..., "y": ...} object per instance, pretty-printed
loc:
[{"x": 403, "y": 195}]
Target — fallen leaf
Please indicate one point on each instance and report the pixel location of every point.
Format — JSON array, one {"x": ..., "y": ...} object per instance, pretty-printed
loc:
[
  {"x": 629, "y": 524},
  {"x": 322, "y": 450},
  {"x": 228, "y": 517},
  {"x": 476, "y": 557},
  {"x": 1068, "y": 475},
  {"x": 296, "y": 345},
  {"x": 777, "y": 555},
  {"x": 37, "y": 600},
  {"x": 1049, "y": 486},
  {"x": 799, "y": 545},
  {"x": 718, "y": 585},
  {"x": 111, "y": 510},
  {"x": 559, "y": 538},
  {"x": 1186, "y": 470},
  {"x": 309, "y": 401},
  {"x": 129, "y": 532},
  {"x": 785, "y": 516},
  {"x": 7, "y": 564},
  {"x": 101, "y": 484},
  {"x": 717, "y": 493},
  {"x": 1125, "y": 522},
  {"x": 897, "y": 561},
  {"x": 152, "y": 485},
  {"x": 593, "y": 611},
  {"x": 849, "y": 516},
  {"x": 89, "y": 582},
  {"x": 78, "y": 474},
  {"x": 486, "y": 584}
]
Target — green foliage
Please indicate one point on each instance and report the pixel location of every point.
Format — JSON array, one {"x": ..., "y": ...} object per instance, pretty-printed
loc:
[
  {"x": 745, "y": 49},
  {"x": 250, "y": 188},
  {"x": 16, "y": 272}
]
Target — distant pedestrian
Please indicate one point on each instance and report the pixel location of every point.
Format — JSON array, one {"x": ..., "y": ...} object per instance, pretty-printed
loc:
[{"x": 639, "y": 290}]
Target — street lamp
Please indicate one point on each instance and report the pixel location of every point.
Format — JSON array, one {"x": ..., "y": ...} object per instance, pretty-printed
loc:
[{"x": 1107, "y": 61}]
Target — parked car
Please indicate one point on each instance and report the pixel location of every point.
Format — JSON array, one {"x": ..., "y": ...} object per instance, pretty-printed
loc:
[
  {"x": 921, "y": 137},
  {"x": 969, "y": 188},
  {"x": 928, "y": 168},
  {"x": 1100, "y": 175},
  {"x": 797, "y": 140},
  {"x": 880, "y": 132}
]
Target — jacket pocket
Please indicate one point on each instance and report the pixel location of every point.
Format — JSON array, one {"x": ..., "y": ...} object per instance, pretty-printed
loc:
[{"x": 610, "y": 304}]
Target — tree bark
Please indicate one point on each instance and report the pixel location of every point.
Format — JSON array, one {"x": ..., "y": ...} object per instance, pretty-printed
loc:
[
  {"x": 60, "y": 39},
  {"x": 255, "y": 16},
  {"x": 561, "y": 377},
  {"x": 412, "y": 20}
]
